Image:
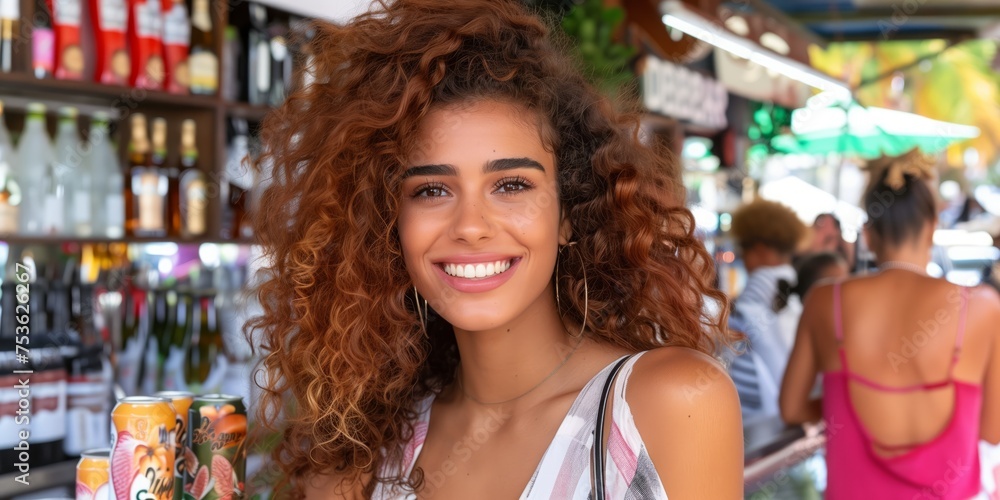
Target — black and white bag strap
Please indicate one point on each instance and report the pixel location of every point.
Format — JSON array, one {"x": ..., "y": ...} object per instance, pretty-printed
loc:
[{"x": 597, "y": 462}]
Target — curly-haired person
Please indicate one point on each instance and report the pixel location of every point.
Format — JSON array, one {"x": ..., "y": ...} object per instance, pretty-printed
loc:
[
  {"x": 464, "y": 241},
  {"x": 767, "y": 234}
]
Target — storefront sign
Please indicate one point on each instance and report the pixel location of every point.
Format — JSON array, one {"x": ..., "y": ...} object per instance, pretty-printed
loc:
[{"x": 680, "y": 93}]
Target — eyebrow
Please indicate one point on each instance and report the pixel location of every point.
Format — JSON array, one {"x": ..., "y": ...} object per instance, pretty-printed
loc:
[{"x": 492, "y": 166}]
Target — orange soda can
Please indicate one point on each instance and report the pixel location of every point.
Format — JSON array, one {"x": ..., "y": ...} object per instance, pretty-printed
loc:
[
  {"x": 92, "y": 475},
  {"x": 182, "y": 402},
  {"x": 142, "y": 458}
]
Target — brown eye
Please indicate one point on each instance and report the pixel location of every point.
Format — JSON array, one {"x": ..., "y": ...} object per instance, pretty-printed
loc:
[
  {"x": 430, "y": 191},
  {"x": 512, "y": 185}
]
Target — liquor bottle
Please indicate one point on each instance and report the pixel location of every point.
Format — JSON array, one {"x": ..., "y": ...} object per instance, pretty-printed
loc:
[
  {"x": 35, "y": 157},
  {"x": 258, "y": 57},
  {"x": 205, "y": 342},
  {"x": 174, "y": 367},
  {"x": 108, "y": 202},
  {"x": 237, "y": 185},
  {"x": 146, "y": 196},
  {"x": 176, "y": 40},
  {"x": 43, "y": 42},
  {"x": 203, "y": 61},
  {"x": 10, "y": 191},
  {"x": 10, "y": 14},
  {"x": 281, "y": 63},
  {"x": 130, "y": 354},
  {"x": 232, "y": 52},
  {"x": 158, "y": 162},
  {"x": 193, "y": 186},
  {"x": 74, "y": 174}
]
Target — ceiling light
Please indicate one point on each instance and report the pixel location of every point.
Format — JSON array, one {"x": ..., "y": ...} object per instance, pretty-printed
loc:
[{"x": 677, "y": 16}]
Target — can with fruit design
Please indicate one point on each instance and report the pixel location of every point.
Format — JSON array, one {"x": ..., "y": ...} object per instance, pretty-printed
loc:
[
  {"x": 216, "y": 468},
  {"x": 92, "y": 475},
  {"x": 142, "y": 458},
  {"x": 182, "y": 403}
]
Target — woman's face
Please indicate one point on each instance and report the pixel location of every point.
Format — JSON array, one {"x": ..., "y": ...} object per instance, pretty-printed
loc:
[{"x": 479, "y": 214}]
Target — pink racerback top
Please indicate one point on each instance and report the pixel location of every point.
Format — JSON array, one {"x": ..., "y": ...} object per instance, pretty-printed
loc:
[{"x": 945, "y": 467}]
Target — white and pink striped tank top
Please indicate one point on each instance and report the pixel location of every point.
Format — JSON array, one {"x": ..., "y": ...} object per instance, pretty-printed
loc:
[{"x": 564, "y": 471}]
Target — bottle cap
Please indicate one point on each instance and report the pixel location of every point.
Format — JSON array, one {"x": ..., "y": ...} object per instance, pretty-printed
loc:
[{"x": 68, "y": 112}]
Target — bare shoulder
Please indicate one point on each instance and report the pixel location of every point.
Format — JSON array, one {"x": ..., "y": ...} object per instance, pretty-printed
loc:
[
  {"x": 984, "y": 302},
  {"x": 670, "y": 381},
  {"x": 986, "y": 298},
  {"x": 687, "y": 412}
]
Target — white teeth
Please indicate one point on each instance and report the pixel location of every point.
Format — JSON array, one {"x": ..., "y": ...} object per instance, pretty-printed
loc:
[{"x": 483, "y": 270}]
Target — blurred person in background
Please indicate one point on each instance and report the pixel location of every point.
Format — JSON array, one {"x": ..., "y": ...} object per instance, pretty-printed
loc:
[
  {"x": 910, "y": 364},
  {"x": 827, "y": 236},
  {"x": 767, "y": 234},
  {"x": 817, "y": 268}
]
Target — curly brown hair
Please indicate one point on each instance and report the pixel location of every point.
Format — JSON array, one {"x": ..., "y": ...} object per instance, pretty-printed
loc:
[
  {"x": 768, "y": 223},
  {"x": 344, "y": 355}
]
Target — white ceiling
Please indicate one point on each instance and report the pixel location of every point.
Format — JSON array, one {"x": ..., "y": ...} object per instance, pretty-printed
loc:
[{"x": 339, "y": 11}]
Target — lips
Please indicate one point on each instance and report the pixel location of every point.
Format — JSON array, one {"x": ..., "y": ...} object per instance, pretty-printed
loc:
[{"x": 477, "y": 274}]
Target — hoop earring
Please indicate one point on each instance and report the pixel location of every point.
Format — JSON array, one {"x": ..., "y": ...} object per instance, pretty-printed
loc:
[
  {"x": 422, "y": 314},
  {"x": 586, "y": 292}
]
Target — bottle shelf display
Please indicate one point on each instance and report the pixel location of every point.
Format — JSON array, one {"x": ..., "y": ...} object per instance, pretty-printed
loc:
[
  {"x": 120, "y": 307},
  {"x": 200, "y": 60},
  {"x": 75, "y": 187}
]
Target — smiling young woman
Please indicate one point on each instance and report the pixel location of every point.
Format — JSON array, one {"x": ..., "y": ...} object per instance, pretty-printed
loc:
[{"x": 464, "y": 241}]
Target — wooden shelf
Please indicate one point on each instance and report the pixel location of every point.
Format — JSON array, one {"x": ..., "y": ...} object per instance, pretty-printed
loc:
[
  {"x": 97, "y": 93},
  {"x": 246, "y": 111}
]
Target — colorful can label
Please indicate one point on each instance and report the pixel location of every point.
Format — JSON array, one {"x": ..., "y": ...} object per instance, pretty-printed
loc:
[
  {"x": 92, "y": 475},
  {"x": 217, "y": 441},
  {"x": 182, "y": 403},
  {"x": 142, "y": 459}
]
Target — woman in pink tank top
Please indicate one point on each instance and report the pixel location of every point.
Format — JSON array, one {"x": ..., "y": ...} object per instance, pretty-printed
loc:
[{"x": 910, "y": 363}]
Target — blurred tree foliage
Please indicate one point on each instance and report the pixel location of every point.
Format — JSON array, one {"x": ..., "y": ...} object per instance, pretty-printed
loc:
[{"x": 591, "y": 26}]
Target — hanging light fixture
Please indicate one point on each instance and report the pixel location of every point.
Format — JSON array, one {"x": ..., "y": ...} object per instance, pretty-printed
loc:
[{"x": 679, "y": 17}]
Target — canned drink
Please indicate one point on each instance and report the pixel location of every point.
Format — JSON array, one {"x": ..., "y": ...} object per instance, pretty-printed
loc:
[
  {"x": 217, "y": 439},
  {"x": 92, "y": 475},
  {"x": 181, "y": 401},
  {"x": 142, "y": 458}
]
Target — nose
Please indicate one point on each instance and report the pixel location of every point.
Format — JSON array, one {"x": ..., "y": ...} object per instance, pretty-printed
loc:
[{"x": 473, "y": 221}]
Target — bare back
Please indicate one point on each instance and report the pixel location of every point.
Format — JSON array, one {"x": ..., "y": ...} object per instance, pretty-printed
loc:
[{"x": 910, "y": 339}]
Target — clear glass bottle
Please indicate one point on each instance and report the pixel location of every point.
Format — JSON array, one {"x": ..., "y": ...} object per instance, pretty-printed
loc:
[
  {"x": 73, "y": 174},
  {"x": 35, "y": 153},
  {"x": 107, "y": 200}
]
